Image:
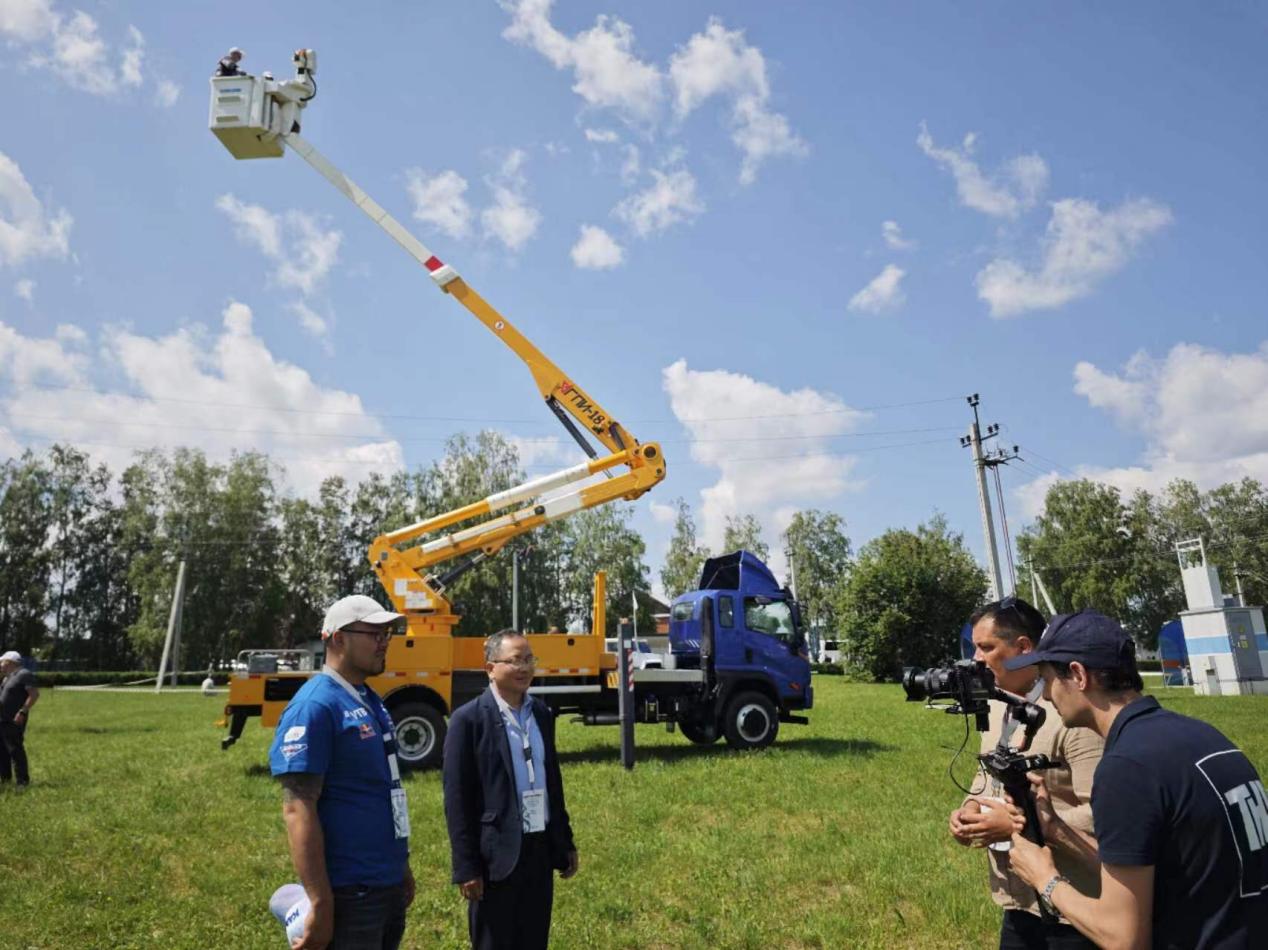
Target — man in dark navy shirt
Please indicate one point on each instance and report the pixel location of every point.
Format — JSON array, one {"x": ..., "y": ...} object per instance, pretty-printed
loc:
[
  {"x": 346, "y": 817},
  {"x": 1180, "y": 813}
]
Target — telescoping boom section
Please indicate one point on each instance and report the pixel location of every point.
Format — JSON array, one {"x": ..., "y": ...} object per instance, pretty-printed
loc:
[{"x": 406, "y": 572}]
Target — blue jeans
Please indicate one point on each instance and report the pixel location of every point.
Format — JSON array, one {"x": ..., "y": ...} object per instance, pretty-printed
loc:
[{"x": 369, "y": 918}]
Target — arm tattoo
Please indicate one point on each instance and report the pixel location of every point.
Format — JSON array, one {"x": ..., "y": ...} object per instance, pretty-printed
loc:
[{"x": 304, "y": 786}]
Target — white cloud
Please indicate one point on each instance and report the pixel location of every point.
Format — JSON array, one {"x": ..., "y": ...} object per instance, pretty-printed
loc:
[
  {"x": 596, "y": 250},
  {"x": 720, "y": 62},
  {"x": 25, "y": 288},
  {"x": 83, "y": 60},
  {"x": 662, "y": 514},
  {"x": 893, "y": 235},
  {"x": 670, "y": 198},
  {"x": 27, "y": 20},
  {"x": 631, "y": 165},
  {"x": 510, "y": 218},
  {"x": 440, "y": 200},
  {"x": 70, "y": 334},
  {"x": 882, "y": 293},
  {"x": 602, "y": 136},
  {"x": 715, "y": 62},
  {"x": 220, "y": 391},
  {"x": 606, "y": 72},
  {"x": 313, "y": 322},
  {"x": 1202, "y": 413},
  {"x": 27, "y": 229},
  {"x": 27, "y": 360},
  {"x": 72, "y": 48},
  {"x": 294, "y": 241},
  {"x": 1082, "y": 247},
  {"x": 1127, "y": 396},
  {"x": 1006, "y": 195},
  {"x": 166, "y": 93},
  {"x": 545, "y": 452},
  {"x": 130, "y": 65},
  {"x": 772, "y": 447}
]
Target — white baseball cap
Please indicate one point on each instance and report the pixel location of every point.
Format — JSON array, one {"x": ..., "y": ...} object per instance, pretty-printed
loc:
[
  {"x": 355, "y": 609},
  {"x": 290, "y": 906},
  {"x": 13, "y": 656}
]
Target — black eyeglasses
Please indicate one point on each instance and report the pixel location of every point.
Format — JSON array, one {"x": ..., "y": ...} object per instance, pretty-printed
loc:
[{"x": 380, "y": 636}]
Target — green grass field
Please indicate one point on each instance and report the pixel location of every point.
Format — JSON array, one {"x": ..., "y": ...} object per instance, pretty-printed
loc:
[{"x": 139, "y": 832}]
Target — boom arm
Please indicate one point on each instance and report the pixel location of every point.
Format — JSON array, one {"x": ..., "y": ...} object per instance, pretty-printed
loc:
[
  {"x": 559, "y": 391},
  {"x": 534, "y": 503}
]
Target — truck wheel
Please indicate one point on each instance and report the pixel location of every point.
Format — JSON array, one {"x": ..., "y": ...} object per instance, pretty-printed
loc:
[
  {"x": 701, "y": 733},
  {"x": 420, "y": 735},
  {"x": 751, "y": 721}
]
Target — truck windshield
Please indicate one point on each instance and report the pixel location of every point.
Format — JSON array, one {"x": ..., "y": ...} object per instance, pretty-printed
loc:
[{"x": 774, "y": 618}]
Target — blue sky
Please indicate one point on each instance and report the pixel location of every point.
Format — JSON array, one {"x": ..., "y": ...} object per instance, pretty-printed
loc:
[{"x": 685, "y": 205}]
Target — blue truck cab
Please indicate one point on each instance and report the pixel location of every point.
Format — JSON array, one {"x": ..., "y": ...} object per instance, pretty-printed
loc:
[{"x": 743, "y": 630}]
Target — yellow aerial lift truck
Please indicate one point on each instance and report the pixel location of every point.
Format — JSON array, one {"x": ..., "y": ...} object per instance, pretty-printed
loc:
[
  {"x": 256, "y": 117},
  {"x": 429, "y": 671}
]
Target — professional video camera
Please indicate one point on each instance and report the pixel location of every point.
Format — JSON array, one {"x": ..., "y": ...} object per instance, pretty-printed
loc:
[{"x": 970, "y": 685}]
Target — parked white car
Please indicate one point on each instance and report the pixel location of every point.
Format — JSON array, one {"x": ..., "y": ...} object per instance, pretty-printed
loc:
[{"x": 644, "y": 658}]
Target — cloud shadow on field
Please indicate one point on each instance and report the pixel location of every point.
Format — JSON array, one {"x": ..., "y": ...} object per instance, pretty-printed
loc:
[{"x": 823, "y": 747}]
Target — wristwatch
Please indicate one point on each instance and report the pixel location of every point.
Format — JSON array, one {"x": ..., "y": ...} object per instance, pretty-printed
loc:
[{"x": 1046, "y": 894}]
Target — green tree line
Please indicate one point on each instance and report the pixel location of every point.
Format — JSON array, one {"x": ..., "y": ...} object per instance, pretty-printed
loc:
[
  {"x": 903, "y": 598},
  {"x": 88, "y": 558}
]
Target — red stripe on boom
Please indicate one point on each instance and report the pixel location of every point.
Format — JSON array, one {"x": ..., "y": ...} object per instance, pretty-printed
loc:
[{"x": 434, "y": 263}]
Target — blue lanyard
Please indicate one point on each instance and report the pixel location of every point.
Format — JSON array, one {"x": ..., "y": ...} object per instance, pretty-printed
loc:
[{"x": 521, "y": 729}]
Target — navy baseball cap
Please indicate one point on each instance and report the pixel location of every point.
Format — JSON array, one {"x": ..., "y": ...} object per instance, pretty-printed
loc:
[{"x": 1086, "y": 637}]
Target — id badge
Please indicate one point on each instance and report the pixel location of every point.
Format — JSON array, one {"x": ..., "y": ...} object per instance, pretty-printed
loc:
[
  {"x": 400, "y": 813},
  {"x": 534, "y": 810}
]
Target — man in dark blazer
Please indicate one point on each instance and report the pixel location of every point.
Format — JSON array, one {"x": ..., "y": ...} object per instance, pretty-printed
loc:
[{"x": 504, "y": 804}]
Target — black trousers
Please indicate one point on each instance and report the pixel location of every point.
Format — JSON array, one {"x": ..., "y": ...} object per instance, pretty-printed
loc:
[
  {"x": 369, "y": 918},
  {"x": 13, "y": 752},
  {"x": 1024, "y": 931},
  {"x": 514, "y": 913}
]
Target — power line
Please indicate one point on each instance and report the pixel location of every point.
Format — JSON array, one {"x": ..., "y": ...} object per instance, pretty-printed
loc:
[
  {"x": 382, "y": 436},
  {"x": 362, "y": 414},
  {"x": 534, "y": 467}
]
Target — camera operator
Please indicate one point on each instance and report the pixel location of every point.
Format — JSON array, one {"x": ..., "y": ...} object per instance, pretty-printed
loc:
[
  {"x": 1181, "y": 815},
  {"x": 1003, "y": 630}
]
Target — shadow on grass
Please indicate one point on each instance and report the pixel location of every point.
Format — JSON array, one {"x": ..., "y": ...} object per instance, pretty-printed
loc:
[
  {"x": 111, "y": 730},
  {"x": 822, "y": 747}
]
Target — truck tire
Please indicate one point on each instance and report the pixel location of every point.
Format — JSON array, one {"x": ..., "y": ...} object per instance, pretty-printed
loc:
[
  {"x": 751, "y": 721},
  {"x": 420, "y": 735},
  {"x": 701, "y": 733}
]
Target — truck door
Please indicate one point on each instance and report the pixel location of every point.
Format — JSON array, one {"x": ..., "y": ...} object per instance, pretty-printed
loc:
[{"x": 769, "y": 637}]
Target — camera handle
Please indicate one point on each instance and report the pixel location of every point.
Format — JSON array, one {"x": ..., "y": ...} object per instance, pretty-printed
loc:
[{"x": 1010, "y": 769}]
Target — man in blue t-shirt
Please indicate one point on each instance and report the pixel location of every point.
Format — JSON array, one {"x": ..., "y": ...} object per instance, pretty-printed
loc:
[
  {"x": 1180, "y": 813},
  {"x": 347, "y": 823}
]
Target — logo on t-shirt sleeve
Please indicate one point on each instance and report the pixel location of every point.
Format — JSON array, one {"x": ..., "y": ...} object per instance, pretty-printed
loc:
[{"x": 1246, "y": 806}]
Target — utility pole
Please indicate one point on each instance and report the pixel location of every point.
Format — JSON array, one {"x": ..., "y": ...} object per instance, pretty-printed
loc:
[
  {"x": 992, "y": 461},
  {"x": 974, "y": 441},
  {"x": 515, "y": 589},
  {"x": 1237, "y": 575},
  {"x": 173, "y": 628}
]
